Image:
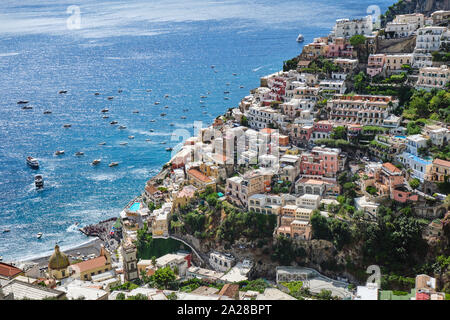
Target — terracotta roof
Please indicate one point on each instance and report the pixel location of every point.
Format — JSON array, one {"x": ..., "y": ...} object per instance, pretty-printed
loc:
[
  {"x": 229, "y": 290},
  {"x": 90, "y": 264},
  {"x": 151, "y": 189},
  {"x": 441, "y": 162},
  {"x": 389, "y": 166},
  {"x": 8, "y": 270},
  {"x": 200, "y": 176}
]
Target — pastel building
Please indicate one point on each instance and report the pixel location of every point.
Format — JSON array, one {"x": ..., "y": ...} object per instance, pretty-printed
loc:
[
  {"x": 433, "y": 77},
  {"x": 341, "y": 48},
  {"x": 345, "y": 28},
  {"x": 375, "y": 64}
]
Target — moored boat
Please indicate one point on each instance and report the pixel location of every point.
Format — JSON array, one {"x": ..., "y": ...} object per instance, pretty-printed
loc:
[
  {"x": 32, "y": 162},
  {"x": 62, "y": 91},
  {"x": 113, "y": 122},
  {"x": 110, "y": 98},
  {"x": 27, "y": 107},
  {"x": 79, "y": 153},
  {"x": 22, "y": 102},
  {"x": 122, "y": 127},
  {"x": 39, "y": 235},
  {"x": 123, "y": 143},
  {"x": 130, "y": 137},
  {"x": 300, "y": 38},
  {"x": 169, "y": 149},
  {"x": 96, "y": 161},
  {"x": 59, "y": 152},
  {"x": 105, "y": 110},
  {"x": 102, "y": 143},
  {"x": 47, "y": 112},
  {"x": 113, "y": 164},
  {"x": 67, "y": 125}
]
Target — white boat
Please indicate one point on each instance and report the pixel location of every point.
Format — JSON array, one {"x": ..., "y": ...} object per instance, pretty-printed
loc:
[
  {"x": 39, "y": 181},
  {"x": 152, "y": 120},
  {"x": 169, "y": 149},
  {"x": 32, "y": 162},
  {"x": 136, "y": 111},
  {"x": 130, "y": 137},
  {"x": 157, "y": 102},
  {"x": 79, "y": 153},
  {"x": 59, "y": 152},
  {"x": 300, "y": 38},
  {"x": 172, "y": 124},
  {"x": 123, "y": 143},
  {"x": 234, "y": 74},
  {"x": 1, "y": 258},
  {"x": 96, "y": 161},
  {"x": 102, "y": 143},
  {"x": 241, "y": 87},
  {"x": 113, "y": 164},
  {"x": 105, "y": 117},
  {"x": 166, "y": 107},
  {"x": 183, "y": 117},
  {"x": 122, "y": 127},
  {"x": 149, "y": 90},
  {"x": 39, "y": 235}
]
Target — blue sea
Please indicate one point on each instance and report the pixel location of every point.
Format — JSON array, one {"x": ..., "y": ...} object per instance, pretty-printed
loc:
[{"x": 167, "y": 46}]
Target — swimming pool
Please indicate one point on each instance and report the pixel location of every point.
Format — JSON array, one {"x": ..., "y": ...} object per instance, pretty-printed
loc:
[
  {"x": 400, "y": 137},
  {"x": 135, "y": 207}
]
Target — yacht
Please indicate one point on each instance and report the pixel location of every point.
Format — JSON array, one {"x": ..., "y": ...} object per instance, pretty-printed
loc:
[
  {"x": 59, "y": 152},
  {"x": 96, "y": 161},
  {"x": 47, "y": 112},
  {"x": 39, "y": 235},
  {"x": 22, "y": 102},
  {"x": 102, "y": 143},
  {"x": 234, "y": 74},
  {"x": 153, "y": 120},
  {"x": 113, "y": 122},
  {"x": 39, "y": 181},
  {"x": 105, "y": 110},
  {"x": 113, "y": 164},
  {"x": 201, "y": 101},
  {"x": 163, "y": 142},
  {"x": 62, "y": 91},
  {"x": 79, "y": 153},
  {"x": 226, "y": 98},
  {"x": 130, "y": 137},
  {"x": 241, "y": 87},
  {"x": 172, "y": 124},
  {"x": 300, "y": 38},
  {"x": 32, "y": 162},
  {"x": 123, "y": 143},
  {"x": 67, "y": 125},
  {"x": 122, "y": 127},
  {"x": 157, "y": 102}
]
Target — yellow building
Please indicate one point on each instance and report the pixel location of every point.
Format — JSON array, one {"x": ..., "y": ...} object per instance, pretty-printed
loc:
[
  {"x": 57, "y": 265},
  {"x": 394, "y": 62},
  {"x": 200, "y": 180},
  {"x": 439, "y": 171},
  {"x": 86, "y": 269}
]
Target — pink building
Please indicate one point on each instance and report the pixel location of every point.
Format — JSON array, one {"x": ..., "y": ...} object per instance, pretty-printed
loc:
[
  {"x": 320, "y": 162},
  {"x": 376, "y": 64},
  {"x": 340, "y": 48},
  {"x": 277, "y": 85}
]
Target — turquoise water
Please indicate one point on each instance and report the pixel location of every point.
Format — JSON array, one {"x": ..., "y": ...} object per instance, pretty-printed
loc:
[
  {"x": 400, "y": 137},
  {"x": 166, "y": 46},
  {"x": 135, "y": 207}
]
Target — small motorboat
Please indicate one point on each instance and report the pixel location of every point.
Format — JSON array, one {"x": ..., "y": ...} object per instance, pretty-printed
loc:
[
  {"x": 203, "y": 97},
  {"x": 27, "y": 107},
  {"x": 151, "y": 130},
  {"x": 79, "y": 153},
  {"x": 105, "y": 117},
  {"x": 226, "y": 98},
  {"x": 6, "y": 230},
  {"x": 122, "y": 127},
  {"x": 96, "y": 161},
  {"x": 39, "y": 181},
  {"x": 1, "y": 258},
  {"x": 148, "y": 140},
  {"x": 157, "y": 102},
  {"x": 169, "y": 149},
  {"x": 110, "y": 98},
  {"x": 59, "y": 152},
  {"x": 123, "y": 143},
  {"x": 113, "y": 122},
  {"x": 172, "y": 124},
  {"x": 241, "y": 87},
  {"x": 215, "y": 71},
  {"x": 163, "y": 142},
  {"x": 226, "y": 92},
  {"x": 185, "y": 110},
  {"x": 32, "y": 162},
  {"x": 136, "y": 111},
  {"x": 213, "y": 66},
  {"x": 162, "y": 114},
  {"x": 166, "y": 107},
  {"x": 130, "y": 137},
  {"x": 120, "y": 91},
  {"x": 201, "y": 101},
  {"x": 113, "y": 164},
  {"x": 166, "y": 96},
  {"x": 22, "y": 102},
  {"x": 39, "y": 235},
  {"x": 153, "y": 120},
  {"x": 96, "y": 94},
  {"x": 105, "y": 110},
  {"x": 183, "y": 117},
  {"x": 102, "y": 143},
  {"x": 67, "y": 125},
  {"x": 300, "y": 38},
  {"x": 203, "y": 106},
  {"x": 47, "y": 112},
  {"x": 204, "y": 112},
  {"x": 227, "y": 83},
  {"x": 234, "y": 74},
  {"x": 149, "y": 90},
  {"x": 62, "y": 91}
]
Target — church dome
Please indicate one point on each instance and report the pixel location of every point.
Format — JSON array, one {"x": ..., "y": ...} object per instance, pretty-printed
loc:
[{"x": 58, "y": 260}]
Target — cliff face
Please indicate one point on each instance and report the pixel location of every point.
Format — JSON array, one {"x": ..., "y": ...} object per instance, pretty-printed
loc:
[{"x": 415, "y": 6}]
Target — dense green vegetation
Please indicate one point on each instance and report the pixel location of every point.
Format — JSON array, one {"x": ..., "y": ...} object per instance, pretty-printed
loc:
[
  {"x": 434, "y": 105},
  {"x": 255, "y": 285}
]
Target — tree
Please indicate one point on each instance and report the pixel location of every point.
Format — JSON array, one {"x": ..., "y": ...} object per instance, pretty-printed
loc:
[
  {"x": 319, "y": 225},
  {"x": 244, "y": 121},
  {"x": 414, "y": 183},
  {"x": 357, "y": 40},
  {"x": 120, "y": 296},
  {"x": 339, "y": 132},
  {"x": 154, "y": 261},
  {"x": 163, "y": 277}
]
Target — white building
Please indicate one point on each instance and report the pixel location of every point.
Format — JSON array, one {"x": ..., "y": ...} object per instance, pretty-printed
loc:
[
  {"x": 309, "y": 201},
  {"x": 368, "y": 207},
  {"x": 221, "y": 261},
  {"x": 433, "y": 77},
  {"x": 345, "y": 28}
]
